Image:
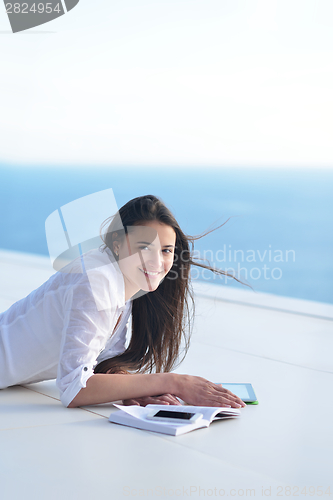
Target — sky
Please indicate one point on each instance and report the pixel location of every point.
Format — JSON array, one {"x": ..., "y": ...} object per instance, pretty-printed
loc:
[{"x": 171, "y": 82}]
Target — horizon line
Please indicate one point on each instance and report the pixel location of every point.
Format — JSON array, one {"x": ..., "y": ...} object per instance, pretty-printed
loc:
[{"x": 157, "y": 165}]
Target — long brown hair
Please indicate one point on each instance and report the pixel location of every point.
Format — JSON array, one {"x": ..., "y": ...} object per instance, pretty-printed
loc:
[{"x": 162, "y": 319}]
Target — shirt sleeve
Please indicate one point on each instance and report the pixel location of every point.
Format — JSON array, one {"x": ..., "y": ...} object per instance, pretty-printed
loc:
[{"x": 85, "y": 333}]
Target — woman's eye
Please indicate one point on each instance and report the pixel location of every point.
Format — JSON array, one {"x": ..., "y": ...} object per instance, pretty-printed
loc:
[{"x": 165, "y": 250}]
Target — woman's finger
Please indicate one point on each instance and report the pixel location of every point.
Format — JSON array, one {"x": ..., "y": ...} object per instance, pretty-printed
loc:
[
  {"x": 156, "y": 400},
  {"x": 170, "y": 398},
  {"x": 199, "y": 391},
  {"x": 228, "y": 401},
  {"x": 215, "y": 395},
  {"x": 231, "y": 396},
  {"x": 130, "y": 402},
  {"x": 231, "y": 403}
]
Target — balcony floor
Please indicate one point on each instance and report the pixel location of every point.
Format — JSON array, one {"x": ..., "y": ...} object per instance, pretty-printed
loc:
[{"x": 282, "y": 346}]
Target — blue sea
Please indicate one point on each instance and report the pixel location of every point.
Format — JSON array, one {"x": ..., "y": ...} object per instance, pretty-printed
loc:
[{"x": 279, "y": 238}]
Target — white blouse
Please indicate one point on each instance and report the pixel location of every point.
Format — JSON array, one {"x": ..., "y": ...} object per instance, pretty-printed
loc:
[{"x": 65, "y": 327}]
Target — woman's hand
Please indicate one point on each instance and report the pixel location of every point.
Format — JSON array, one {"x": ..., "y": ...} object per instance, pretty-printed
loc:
[
  {"x": 164, "y": 399},
  {"x": 198, "y": 391},
  {"x": 163, "y": 388}
]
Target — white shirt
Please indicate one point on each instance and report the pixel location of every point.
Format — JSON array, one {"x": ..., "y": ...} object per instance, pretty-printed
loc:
[{"x": 65, "y": 327}]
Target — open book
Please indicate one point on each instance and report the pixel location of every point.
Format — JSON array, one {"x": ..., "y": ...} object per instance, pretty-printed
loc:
[{"x": 135, "y": 416}]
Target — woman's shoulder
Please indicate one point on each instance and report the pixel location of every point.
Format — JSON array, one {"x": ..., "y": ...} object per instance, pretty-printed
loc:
[
  {"x": 105, "y": 278},
  {"x": 90, "y": 280},
  {"x": 94, "y": 261}
]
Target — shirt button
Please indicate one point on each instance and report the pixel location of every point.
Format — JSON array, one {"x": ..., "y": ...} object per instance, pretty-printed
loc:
[{"x": 85, "y": 368}]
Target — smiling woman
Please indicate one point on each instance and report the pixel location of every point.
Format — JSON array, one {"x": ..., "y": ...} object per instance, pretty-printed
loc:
[
  {"x": 74, "y": 326},
  {"x": 150, "y": 260}
]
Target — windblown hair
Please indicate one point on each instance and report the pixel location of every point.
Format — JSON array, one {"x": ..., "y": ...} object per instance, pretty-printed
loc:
[{"x": 161, "y": 320}]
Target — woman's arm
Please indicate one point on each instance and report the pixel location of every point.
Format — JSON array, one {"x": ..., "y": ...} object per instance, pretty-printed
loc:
[{"x": 105, "y": 388}]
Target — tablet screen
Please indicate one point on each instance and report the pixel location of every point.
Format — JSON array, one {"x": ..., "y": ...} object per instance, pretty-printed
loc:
[{"x": 238, "y": 389}]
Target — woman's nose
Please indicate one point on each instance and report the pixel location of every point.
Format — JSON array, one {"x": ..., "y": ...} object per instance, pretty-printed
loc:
[{"x": 154, "y": 261}]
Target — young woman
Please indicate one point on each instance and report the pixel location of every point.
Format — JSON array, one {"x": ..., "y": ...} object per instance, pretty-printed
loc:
[{"x": 73, "y": 328}]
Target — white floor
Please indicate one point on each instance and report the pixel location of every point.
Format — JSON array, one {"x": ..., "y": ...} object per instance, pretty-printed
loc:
[{"x": 282, "y": 447}]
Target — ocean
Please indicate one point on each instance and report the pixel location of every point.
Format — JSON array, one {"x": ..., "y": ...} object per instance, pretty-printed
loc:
[{"x": 279, "y": 238}]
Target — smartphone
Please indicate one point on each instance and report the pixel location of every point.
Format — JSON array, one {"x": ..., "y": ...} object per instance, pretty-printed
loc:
[{"x": 174, "y": 416}]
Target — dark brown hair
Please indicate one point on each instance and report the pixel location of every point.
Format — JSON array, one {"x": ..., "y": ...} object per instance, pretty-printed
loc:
[{"x": 162, "y": 319}]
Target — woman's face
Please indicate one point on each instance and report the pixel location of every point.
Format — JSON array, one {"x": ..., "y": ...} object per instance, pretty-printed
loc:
[{"x": 146, "y": 255}]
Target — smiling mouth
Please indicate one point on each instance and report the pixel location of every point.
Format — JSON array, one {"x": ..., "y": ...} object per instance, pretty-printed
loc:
[{"x": 150, "y": 273}]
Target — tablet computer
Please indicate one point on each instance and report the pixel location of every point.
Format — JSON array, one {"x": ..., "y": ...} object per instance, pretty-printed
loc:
[{"x": 244, "y": 391}]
